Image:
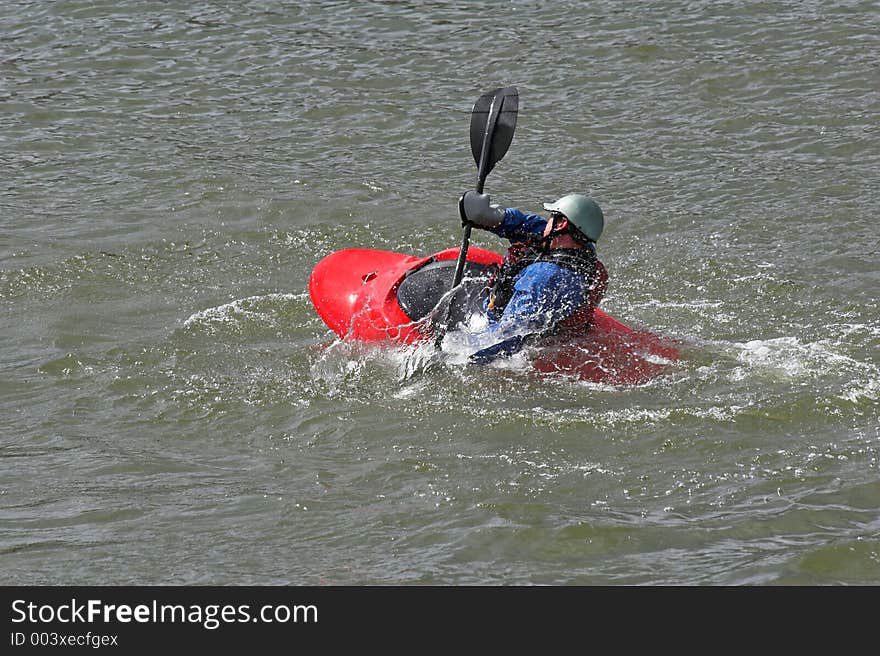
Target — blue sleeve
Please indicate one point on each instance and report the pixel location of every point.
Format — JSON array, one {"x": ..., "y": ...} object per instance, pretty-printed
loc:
[
  {"x": 519, "y": 226},
  {"x": 544, "y": 295}
]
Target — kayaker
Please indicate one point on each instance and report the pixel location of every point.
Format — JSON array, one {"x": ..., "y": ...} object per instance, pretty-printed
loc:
[{"x": 551, "y": 279}]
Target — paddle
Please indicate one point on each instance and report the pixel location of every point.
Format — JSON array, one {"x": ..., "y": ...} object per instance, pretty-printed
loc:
[{"x": 493, "y": 121}]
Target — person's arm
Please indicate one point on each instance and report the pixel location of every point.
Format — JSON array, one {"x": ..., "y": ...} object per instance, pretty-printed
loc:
[
  {"x": 543, "y": 296},
  {"x": 510, "y": 223},
  {"x": 504, "y": 348},
  {"x": 519, "y": 226}
]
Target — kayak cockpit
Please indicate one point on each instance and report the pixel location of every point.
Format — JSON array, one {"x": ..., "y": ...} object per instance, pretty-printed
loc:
[{"x": 422, "y": 290}]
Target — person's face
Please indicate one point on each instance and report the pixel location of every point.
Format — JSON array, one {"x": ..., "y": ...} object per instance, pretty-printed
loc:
[{"x": 557, "y": 221}]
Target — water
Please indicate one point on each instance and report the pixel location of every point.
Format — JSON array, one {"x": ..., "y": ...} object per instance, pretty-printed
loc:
[{"x": 173, "y": 411}]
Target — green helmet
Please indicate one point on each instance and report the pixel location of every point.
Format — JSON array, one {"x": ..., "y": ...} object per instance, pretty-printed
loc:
[{"x": 582, "y": 211}]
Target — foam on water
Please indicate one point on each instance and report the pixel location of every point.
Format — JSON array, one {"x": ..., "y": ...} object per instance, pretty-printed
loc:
[
  {"x": 790, "y": 357},
  {"x": 234, "y": 313}
]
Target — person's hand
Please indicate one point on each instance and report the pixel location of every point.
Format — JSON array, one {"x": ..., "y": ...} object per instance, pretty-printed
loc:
[{"x": 475, "y": 208}]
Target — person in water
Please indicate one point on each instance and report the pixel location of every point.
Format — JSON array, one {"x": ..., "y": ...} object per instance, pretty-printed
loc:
[{"x": 550, "y": 281}]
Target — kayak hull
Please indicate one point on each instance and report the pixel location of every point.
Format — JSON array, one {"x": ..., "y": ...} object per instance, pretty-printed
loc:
[
  {"x": 355, "y": 291},
  {"x": 375, "y": 296}
]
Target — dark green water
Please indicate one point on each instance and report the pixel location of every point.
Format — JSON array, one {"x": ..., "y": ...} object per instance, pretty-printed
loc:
[{"x": 172, "y": 410}]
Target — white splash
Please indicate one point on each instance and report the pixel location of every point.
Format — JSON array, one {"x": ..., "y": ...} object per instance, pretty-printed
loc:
[
  {"x": 790, "y": 357},
  {"x": 235, "y": 311}
]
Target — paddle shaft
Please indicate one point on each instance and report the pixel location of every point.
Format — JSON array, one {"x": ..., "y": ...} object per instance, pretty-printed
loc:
[
  {"x": 493, "y": 137},
  {"x": 482, "y": 172}
]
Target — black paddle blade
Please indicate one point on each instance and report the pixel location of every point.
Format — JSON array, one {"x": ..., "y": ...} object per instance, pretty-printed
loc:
[{"x": 507, "y": 100}]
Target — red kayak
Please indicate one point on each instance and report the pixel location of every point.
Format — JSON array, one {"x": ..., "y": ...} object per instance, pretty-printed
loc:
[{"x": 374, "y": 296}]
